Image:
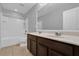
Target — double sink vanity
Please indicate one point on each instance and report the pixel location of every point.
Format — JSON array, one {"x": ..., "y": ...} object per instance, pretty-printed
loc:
[{"x": 45, "y": 44}]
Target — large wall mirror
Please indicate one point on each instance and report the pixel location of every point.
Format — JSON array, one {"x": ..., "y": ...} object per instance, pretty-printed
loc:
[{"x": 59, "y": 16}]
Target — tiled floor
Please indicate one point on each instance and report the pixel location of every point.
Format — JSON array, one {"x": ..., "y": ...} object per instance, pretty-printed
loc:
[{"x": 15, "y": 50}]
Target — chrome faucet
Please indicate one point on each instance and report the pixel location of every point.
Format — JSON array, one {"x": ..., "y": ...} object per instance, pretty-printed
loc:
[{"x": 58, "y": 33}]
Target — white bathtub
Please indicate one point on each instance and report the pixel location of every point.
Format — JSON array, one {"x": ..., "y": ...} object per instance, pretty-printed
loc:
[{"x": 9, "y": 41}]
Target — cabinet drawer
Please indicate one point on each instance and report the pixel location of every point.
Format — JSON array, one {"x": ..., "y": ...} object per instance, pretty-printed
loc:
[
  {"x": 32, "y": 37},
  {"x": 58, "y": 46},
  {"x": 53, "y": 53}
]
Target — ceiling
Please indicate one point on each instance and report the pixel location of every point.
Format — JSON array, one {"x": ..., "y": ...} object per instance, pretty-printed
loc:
[{"x": 18, "y": 9}]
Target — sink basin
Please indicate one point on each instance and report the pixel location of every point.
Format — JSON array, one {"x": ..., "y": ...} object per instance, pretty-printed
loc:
[{"x": 55, "y": 36}]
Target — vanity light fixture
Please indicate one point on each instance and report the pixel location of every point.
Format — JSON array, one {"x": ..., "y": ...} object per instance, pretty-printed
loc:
[{"x": 41, "y": 5}]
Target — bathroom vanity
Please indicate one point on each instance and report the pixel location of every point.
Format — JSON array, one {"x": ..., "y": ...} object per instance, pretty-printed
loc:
[{"x": 45, "y": 44}]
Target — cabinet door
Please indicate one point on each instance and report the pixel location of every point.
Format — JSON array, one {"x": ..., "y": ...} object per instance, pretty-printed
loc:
[
  {"x": 76, "y": 50},
  {"x": 53, "y": 53},
  {"x": 57, "y": 46},
  {"x": 28, "y": 44},
  {"x": 33, "y": 47},
  {"x": 41, "y": 50}
]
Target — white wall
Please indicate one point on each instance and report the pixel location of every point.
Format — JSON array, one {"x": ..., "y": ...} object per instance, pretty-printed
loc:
[
  {"x": 0, "y": 24},
  {"x": 26, "y": 25},
  {"x": 71, "y": 19}
]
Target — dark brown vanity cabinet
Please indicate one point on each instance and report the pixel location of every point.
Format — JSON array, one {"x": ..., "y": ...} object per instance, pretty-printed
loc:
[
  {"x": 33, "y": 47},
  {"x": 58, "y": 47},
  {"x": 28, "y": 43},
  {"x": 31, "y": 44},
  {"x": 41, "y": 50},
  {"x": 54, "y": 53},
  {"x": 41, "y": 46},
  {"x": 76, "y": 50}
]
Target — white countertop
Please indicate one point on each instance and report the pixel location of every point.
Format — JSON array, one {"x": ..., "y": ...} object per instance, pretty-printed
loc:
[{"x": 63, "y": 38}]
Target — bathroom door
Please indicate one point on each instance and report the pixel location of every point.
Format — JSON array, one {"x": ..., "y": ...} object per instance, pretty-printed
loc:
[{"x": 12, "y": 31}]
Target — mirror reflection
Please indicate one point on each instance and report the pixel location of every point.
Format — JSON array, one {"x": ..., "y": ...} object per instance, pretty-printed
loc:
[{"x": 58, "y": 16}]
